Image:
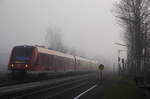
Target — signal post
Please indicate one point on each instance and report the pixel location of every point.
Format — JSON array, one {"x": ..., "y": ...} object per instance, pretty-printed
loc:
[{"x": 101, "y": 67}]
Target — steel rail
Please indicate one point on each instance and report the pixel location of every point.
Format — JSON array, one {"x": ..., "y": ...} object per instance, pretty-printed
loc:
[
  {"x": 27, "y": 86},
  {"x": 48, "y": 89}
]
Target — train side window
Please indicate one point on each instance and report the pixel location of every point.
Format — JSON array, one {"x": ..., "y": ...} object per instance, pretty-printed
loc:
[
  {"x": 40, "y": 60},
  {"x": 45, "y": 60},
  {"x": 37, "y": 60},
  {"x": 50, "y": 60}
]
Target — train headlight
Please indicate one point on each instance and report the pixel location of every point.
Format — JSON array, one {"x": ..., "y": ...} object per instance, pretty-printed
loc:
[
  {"x": 26, "y": 65},
  {"x": 12, "y": 65}
]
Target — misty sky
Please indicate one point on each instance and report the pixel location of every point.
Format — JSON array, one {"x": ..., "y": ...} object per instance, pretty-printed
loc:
[{"x": 87, "y": 25}]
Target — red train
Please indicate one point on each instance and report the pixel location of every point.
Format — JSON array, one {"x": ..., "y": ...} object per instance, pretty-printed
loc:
[{"x": 39, "y": 59}]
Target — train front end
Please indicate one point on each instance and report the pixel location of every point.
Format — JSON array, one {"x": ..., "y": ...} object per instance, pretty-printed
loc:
[{"x": 21, "y": 58}]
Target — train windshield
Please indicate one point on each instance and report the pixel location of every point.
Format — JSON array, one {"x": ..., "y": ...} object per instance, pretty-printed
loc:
[{"x": 22, "y": 53}]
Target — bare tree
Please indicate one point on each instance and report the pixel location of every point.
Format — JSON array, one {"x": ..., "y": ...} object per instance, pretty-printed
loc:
[
  {"x": 54, "y": 39},
  {"x": 133, "y": 17}
]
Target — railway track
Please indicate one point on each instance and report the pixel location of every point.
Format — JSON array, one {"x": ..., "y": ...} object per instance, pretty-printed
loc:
[
  {"x": 69, "y": 90},
  {"x": 53, "y": 91},
  {"x": 7, "y": 81},
  {"x": 30, "y": 90}
]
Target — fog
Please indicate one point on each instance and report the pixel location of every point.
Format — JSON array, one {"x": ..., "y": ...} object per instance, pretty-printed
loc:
[{"x": 87, "y": 25}]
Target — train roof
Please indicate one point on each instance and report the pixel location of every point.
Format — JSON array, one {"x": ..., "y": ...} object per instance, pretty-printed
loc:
[
  {"x": 23, "y": 46},
  {"x": 85, "y": 59},
  {"x": 53, "y": 52}
]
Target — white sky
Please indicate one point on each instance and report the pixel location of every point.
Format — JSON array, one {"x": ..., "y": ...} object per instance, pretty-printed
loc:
[{"x": 87, "y": 25}]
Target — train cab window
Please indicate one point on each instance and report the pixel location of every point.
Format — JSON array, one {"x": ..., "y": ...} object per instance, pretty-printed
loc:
[{"x": 22, "y": 53}]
